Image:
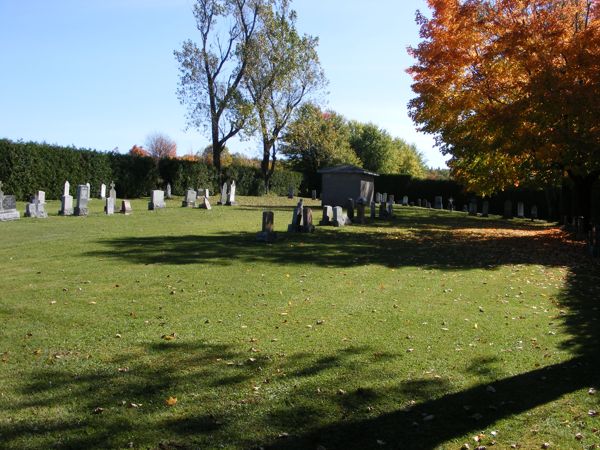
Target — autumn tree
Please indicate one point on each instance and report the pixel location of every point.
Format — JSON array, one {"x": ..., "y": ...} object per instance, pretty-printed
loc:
[
  {"x": 211, "y": 71},
  {"x": 284, "y": 70},
  {"x": 138, "y": 150},
  {"x": 511, "y": 90},
  {"x": 161, "y": 146},
  {"x": 315, "y": 139}
]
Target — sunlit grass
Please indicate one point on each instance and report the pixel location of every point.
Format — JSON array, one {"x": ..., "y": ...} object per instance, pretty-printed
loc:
[{"x": 420, "y": 332}]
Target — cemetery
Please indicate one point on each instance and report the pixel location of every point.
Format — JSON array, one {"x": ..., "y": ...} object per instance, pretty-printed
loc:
[{"x": 193, "y": 328}]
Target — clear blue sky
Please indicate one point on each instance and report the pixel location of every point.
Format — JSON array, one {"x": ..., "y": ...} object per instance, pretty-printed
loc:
[{"x": 101, "y": 73}]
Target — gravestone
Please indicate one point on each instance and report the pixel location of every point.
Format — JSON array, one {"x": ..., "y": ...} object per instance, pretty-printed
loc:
[
  {"x": 473, "y": 207},
  {"x": 207, "y": 193},
  {"x": 83, "y": 197},
  {"x": 231, "y": 196},
  {"x": 36, "y": 207},
  {"x": 390, "y": 198},
  {"x": 223, "y": 198},
  {"x": 508, "y": 214},
  {"x": 112, "y": 193},
  {"x": 327, "y": 216},
  {"x": 190, "y": 199},
  {"x": 157, "y": 200},
  {"x": 66, "y": 201},
  {"x": 382, "y": 210},
  {"x": 450, "y": 204},
  {"x": 314, "y": 194},
  {"x": 296, "y": 218},
  {"x": 126, "y": 207},
  {"x": 109, "y": 207},
  {"x": 168, "y": 194},
  {"x": 438, "y": 202},
  {"x": 350, "y": 208},
  {"x": 373, "y": 210},
  {"x": 339, "y": 218},
  {"x": 534, "y": 212},
  {"x": 307, "y": 220},
  {"x": 205, "y": 204},
  {"x": 377, "y": 197},
  {"x": 390, "y": 209},
  {"x": 267, "y": 234},
  {"x": 384, "y": 197},
  {"x": 89, "y": 186},
  {"x": 360, "y": 211},
  {"x": 8, "y": 207},
  {"x": 102, "y": 191},
  {"x": 419, "y": 202},
  {"x": 291, "y": 192},
  {"x": 405, "y": 200},
  {"x": 199, "y": 193},
  {"x": 520, "y": 210},
  {"x": 485, "y": 208}
]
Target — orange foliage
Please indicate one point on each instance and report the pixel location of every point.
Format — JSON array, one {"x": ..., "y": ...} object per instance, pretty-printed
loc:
[{"x": 138, "y": 151}]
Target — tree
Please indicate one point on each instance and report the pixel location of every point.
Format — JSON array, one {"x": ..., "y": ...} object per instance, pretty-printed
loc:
[
  {"x": 138, "y": 150},
  {"x": 284, "y": 70},
  {"x": 511, "y": 90},
  {"x": 207, "y": 156},
  {"x": 211, "y": 72},
  {"x": 161, "y": 146},
  {"x": 408, "y": 160},
  {"x": 315, "y": 139}
]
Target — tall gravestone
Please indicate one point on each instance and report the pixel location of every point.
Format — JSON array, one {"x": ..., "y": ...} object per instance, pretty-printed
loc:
[
  {"x": 89, "y": 189},
  {"x": 390, "y": 207},
  {"x": 508, "y": 214},
  {"x": 520, "y": 210},
  {"x": 405, "y": 200},
  {"x": 169, "y": 195},
  {"x": 111, "y": 200},
  {"x": 296, "y": 218},
  {"x": 391, "y": 198},
  {"x": 8, "y": 207},
  {"x": 268, "y": 221},
  {"x": 350, "y": 208},
  {"x": 382, "y": 210},
  {"x": 223, "y": 198},
  {"x": 307, "y": 220},
  {"x": 438, "y": 202},
  {"x": 377, "y": 197},
  {"x": 207, "y": 193},
  {"x": 231, "y": 195},
  {"x": 291, "y": 192},
  {"x": 473, "y": 207},
  {"x": 157, "y": 200},
  {"x": 190, "y": 199},
  {"x": 327, "y": 215},
  {"x": 83, "y": 197},
  {"x": 314, "y": 194},
  {"x": 360, "y": 211},
  {"x": 66, "y": 201},
  {"x": 384, "y": 197},
  {"x": 102, "y": 191},
  {"x": 451, "y": 204},
  {"x": 485, "y": 208},
  {"x": 373, "y": 210}
]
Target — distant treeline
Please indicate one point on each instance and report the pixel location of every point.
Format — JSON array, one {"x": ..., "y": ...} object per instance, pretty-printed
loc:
[{"x": 26, "y": 167}]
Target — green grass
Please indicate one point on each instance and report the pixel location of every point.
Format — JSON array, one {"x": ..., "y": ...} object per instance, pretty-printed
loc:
[{"x": 419, "y": 332}]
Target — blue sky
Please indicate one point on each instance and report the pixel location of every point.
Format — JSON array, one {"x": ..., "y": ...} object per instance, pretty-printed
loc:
[{"x": 101, "y": 73}]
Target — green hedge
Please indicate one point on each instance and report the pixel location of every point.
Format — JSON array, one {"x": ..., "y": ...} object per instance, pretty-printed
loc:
[{"x": 26, "y": 167}]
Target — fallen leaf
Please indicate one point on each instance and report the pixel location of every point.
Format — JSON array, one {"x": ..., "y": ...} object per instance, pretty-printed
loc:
[
  {"x": 171, "y": 401},
  {"x": 169, "y": 337},
  {"x": 98, "y": 410}
]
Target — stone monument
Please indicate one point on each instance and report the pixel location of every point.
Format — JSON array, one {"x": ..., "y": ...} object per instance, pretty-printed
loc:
[
  {"x": 169, "y": 195},
  {"x": 8, "y": 207},
  {"x": 223, "y": 198},
  {"x": 267, "y": 234},
  {"x": 83, "y": 197},
  {"x": 36, "y": 207},
  {"x": 190, "y": 199},
  {"x": 102, "y": 191},
  {"x": 126, "y": 207},
  {"x": 157, "y": 200},
  {"x": 438, "y": 202},
  {"x": 66, "y": 201},
  {"x": 231, "y": 195},
  {"x": 307, "y": 220},
  {"x": 327, "y": 215}
]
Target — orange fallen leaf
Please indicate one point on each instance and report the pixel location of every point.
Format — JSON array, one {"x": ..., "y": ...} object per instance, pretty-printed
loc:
[{"x": 171, "y": 401}]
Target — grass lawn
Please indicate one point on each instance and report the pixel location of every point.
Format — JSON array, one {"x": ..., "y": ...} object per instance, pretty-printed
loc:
[{"x": 175, "y": 329}]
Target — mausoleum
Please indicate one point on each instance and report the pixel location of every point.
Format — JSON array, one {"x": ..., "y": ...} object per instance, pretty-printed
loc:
[{"x": 339, "y": 183}]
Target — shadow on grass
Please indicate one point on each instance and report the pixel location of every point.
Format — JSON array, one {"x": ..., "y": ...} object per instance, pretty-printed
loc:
[{"x": 429, "y": 412}]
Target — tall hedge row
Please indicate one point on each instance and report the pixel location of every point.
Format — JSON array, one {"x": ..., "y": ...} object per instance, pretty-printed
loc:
[{"x": 26, "y": 167}]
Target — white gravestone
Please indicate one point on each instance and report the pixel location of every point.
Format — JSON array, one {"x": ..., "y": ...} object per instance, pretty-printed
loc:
[
  {"x": 223, "y": 198},
  {"x": 102, "y": 191},
  {"x": 66, "y": 201},
  {"x": 327, "y": 215},
  {"x": 83, "y": 197},
  {"x": 231, "y": 195},
  {"x": 157, "y": 200}
]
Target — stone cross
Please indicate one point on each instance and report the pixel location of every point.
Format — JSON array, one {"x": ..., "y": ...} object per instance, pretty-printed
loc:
[{"x": 112, "y": 193}]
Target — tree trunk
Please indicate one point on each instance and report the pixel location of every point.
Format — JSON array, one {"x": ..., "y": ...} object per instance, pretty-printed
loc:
[{"x": 216, "y": 148}]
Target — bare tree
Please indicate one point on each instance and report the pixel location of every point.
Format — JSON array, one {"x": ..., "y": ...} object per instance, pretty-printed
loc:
[{"x": 161, "y": 146}]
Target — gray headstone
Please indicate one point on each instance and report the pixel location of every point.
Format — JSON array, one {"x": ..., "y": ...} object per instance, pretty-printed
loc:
[
  {"x": 291, "y": 192},
  {"x": 377, "y": 197},
  {"x": 360, "y": 212},
  {"x": 390, "y": 209},
  {"x": 112, "y": 193},
  {"x": 314, "y": 194},
  {"x": 126, "y": 207},
  {"x": 339, "y": 219},
  {"x": 168, "y": 193},
  {"x": 268, "y": 221},
  {"x": 83, "y": 197},
  {"x": 438, "y": 202},
  {"x": 8, "y": 207},
  {"x": 520, "y": 210},
  {"x": 384, "y": 197},
  {"x": 508, "y": 214},
  {"x": 485, "y": 208},
  {"x": 66, "y": 205},
  {"x": 307, "y": 220},
  {"x": 223, "y": 198},
  {"x": 40, "y": 197},
  {"x": 190, "y": 199},
  {"x": 231, "y": 195},
  {"x": 373, "y": 210},
  {"x": 405, "y": 200},
  {"x": 327, "y": 215},
  {"x": 109, "y": 208},
  {"x": 157, "y": 200},
  {"x": 383, "y": 210},
  {"x": 350, "y": 208},
  {"x": 391, "y": 198},
  {"x": 451, "y": 204},
  {"x": 102, "y": 191},
  {"x": 473, "y": 207}
]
